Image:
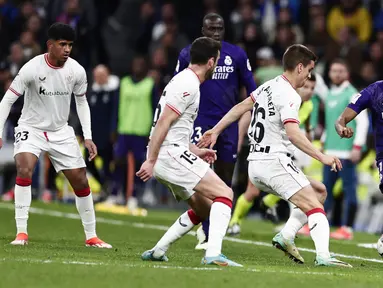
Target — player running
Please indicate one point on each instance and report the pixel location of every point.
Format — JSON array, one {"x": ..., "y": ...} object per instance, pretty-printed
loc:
[
  {"x": 47, "y": 83},
  {"x": 218, "y": 96},
  {"x": 273, "y": 133},
  {"x": 178, "y": 164},
  {"x": 369, "y": 98}
]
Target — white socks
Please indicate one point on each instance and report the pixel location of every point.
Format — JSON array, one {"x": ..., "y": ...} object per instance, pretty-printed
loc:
[
  {"x": 85, "y": 208},
  {"x": 23, "y": 199},
  {"x": 294, "y": 223},
  {"x": 220, "y": 214},
  {"x": 319, "y": 231},
  {"x": 183, "y": 225}
]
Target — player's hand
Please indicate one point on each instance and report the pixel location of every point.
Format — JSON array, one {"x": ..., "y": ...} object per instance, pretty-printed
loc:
[
  {"x": 146, "y": 171},
  {"x": 209, "y": 138},
  {"x": 344, "y": 131},
  {"x": 92, "y": 149},
  {"x": 207, "y": 155},
  {"x": 332, "y": 161},
  {"x": 356, "y": 155},
  {"x": 1, "y": 143}
]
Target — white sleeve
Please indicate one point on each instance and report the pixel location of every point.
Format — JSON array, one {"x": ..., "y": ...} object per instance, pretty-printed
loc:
[
  {"x": 81, "y": 84},
  {"x": 290, "y": 109},
  {"x": 22, "y": 80},
  {"x": 361, "y": 129},
  {"x": 178, "y": 99},
  {"x": 6, "y": 103},
  {"x": 320, "y": 88},
  {"x": 83, "y": 112}
]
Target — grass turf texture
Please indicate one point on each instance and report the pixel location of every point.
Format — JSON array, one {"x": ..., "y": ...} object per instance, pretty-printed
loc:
[{"x": 57, "y": 257}]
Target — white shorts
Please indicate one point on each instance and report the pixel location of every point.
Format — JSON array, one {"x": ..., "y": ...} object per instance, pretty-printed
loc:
[
  {"x": 180, "y": 170},
  {"x": 279, "y": 176},
  {"x": 62, "y": 146}
]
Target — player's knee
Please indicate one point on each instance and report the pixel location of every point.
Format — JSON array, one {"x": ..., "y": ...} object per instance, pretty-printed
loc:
[
  {"x": 80, "y": 183},
  {"x": 310, "y": 204},
  {"x": 322, "y": 193},
  {"x": 24, "y": 172}
]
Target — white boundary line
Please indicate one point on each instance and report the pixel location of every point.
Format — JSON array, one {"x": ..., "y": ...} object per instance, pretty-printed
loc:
[
  {"x": 251, "y": 270},
  {"x": 59, "y": 214}
]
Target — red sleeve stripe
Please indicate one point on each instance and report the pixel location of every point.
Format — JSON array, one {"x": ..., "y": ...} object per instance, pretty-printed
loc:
[
  {"x": 14, "y": 91},
  {"x": 174, "y": 109},
  {"x": 81, "y": 94},
  {"x": 291, "y": 120},
  {"x": 252, "y": 97}
]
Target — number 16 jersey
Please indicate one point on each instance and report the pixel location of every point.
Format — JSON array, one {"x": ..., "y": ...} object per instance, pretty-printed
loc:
[{"x": 275, "y": 103}]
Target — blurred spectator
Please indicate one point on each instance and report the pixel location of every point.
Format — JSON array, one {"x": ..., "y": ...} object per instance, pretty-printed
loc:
[
  {"x": 168, "y": 17},
  {"x": 5, "y": 36},
  {"x": 147, "y": 22},
  {"x": 351, "y": 14},
  {"x": 376, "y": 56},
  {"x": 318, "y": 35},
  {"x": 346, "y": 46},
  {"x": 160, "y": 71},
  {"x": 26, "y": 10},
  {"x": 253, "y": 39},
  {"x": 138, "y": 98},
  {"x": 285, "y": 18},
  {"x": 103, "y": 101},
  {"x": 268, "y": 67},
  {"x": 15, "y": 59},
  {"x": 284, "y": 38},
  {"x": 35, "y": 26},
  {"x": 368, "y": 74},
  {"x": 8, "y": 11},
  {"x": 349, "y": 151},
  {"x": 30, "y": 47},
  {"x": 241, "y": 18}
]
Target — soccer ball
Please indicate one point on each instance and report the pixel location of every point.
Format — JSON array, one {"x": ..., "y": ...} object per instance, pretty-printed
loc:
[{"x": 379, "y": 246}]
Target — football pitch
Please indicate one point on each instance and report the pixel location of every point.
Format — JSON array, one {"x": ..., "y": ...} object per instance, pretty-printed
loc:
[{"x": 57, "y": 257}]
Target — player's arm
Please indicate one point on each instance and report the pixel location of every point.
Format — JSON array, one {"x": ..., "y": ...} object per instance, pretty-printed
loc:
[
  {"x": 210, "y": 137},
  {"x": 17, "y": 89},
  {"x": 358, "y": 103},
  {"x": 82, "y": 106}
]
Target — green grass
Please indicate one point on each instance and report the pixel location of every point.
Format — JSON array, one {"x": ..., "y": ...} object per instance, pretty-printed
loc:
[{"x": 56, "y": 256}]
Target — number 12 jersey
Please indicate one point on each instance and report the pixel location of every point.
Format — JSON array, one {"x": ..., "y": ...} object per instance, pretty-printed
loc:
[{"x": 275, "y": 103}]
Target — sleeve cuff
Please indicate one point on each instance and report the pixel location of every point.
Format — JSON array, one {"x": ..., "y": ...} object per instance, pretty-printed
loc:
[
  {"x": 291, "y": 120},
  {"x": 173, "y": 108}
]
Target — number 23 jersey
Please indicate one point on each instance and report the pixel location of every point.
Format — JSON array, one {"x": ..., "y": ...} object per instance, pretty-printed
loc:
[
  {"x": 181, "y": 95},
  {"x": 275, "y": 103}
]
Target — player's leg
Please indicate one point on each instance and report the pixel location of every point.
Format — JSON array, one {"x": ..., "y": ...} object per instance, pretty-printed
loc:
[
  {"x": 200, "y": 208},
  {"x": 329, "y": 179},
  {"x": 307, "y": 201},
  {"x": 242, "y": 207},
  {"x": 65, "y": 154},
  {"x": 213, "y": 188},
  {"x": 84, "y": 204},
  {"x": 25, "y": 164},
  {"x": 120, "y": 153}
]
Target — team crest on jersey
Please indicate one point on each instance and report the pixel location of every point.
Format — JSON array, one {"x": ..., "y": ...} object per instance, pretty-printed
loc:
[
  {"x": 228, "y": 60},
  {"x": 69, "y": 78}
]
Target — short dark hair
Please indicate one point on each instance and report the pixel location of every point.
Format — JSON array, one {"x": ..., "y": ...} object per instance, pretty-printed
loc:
[
  {"x": 212, "y": 17},
  {"x": 342, "y": 62},
  {"x": 202, "y": 49},
  {"x": 296, "y": 54},
  {"x": 61, "y": 31}
]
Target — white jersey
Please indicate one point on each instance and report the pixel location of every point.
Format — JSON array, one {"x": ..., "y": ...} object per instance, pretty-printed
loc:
[
  {"x": 47, "y": 91},
  {"x": 182, "y": 96},
  {"x": 275, "y": 103}
]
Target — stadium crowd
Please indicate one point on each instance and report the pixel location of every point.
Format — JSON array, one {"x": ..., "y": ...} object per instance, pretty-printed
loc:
[{"x": 129, "y": 49}]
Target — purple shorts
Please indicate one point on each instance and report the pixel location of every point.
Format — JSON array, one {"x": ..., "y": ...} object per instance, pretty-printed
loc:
[
  {"x": 135, "y": 144},
  {"x": 227, "y": 143}
]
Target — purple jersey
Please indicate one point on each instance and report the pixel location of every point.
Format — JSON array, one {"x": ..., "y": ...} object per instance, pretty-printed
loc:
[
  {"x": 372, "y": 98},
  {"x": 221, "y": 93}
]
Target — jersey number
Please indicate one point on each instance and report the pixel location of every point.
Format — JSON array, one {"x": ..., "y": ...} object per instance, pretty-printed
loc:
[
  {"x": 188, "y": 157},
  {"x": 257, "y": 131},
  {"x": 293, "y": 167},
  {"x": 158, "y": 111},
  {"x": 21, "y": 136}
]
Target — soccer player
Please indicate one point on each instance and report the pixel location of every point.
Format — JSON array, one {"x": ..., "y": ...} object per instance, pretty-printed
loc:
[
  {"x": 47, "y": 83},
  {"x": 246, "y": 200},
  {"x": 369, "y": 98},
  {"x": 218, "y": 96},
  {"x": 273, "y": 132},
  {"x": 179, "y": 165}
]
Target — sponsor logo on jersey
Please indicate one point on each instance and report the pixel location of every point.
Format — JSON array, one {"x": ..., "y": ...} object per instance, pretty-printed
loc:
[
  {"x": 222, "y": 72},
  {"x": 42, "y": 79},
  {"x": 43, "y": 91}
]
